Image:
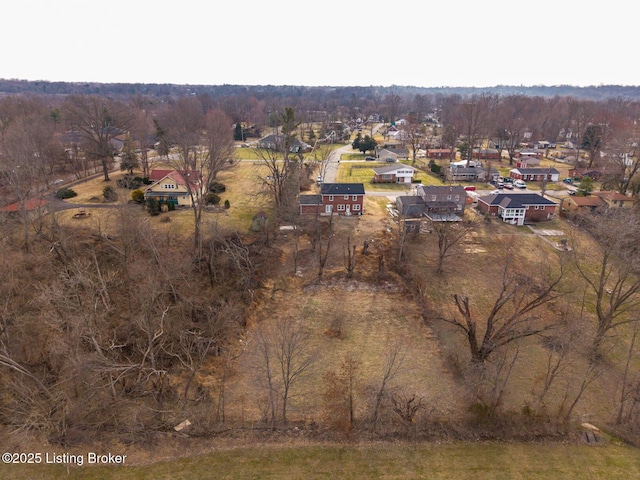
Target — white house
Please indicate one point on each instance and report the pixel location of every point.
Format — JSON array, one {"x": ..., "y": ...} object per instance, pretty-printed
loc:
[{"x": 394, "y": 174}]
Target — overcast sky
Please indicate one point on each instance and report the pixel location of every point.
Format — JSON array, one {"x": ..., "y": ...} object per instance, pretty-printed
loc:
[{"x": 328, "y": 42}]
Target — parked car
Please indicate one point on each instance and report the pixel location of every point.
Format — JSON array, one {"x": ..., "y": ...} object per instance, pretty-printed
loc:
[
  {"x": 369, "y": 159},
  {"x": 520, "y": 184},
  {"x": 508, "y": 186},
  {"x": 568, "y": 180},
  {"x": 470, "y": 188}
]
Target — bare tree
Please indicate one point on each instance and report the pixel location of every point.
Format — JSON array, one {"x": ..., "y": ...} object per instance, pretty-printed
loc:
[
  {"x": 610, "y": 269},
  {"x": 450, "y": 234},
  {"x": 204, "y": 147},
  {"x": 512, "y": 315},
  {"x": 283, "y": 162},
  {"x": 286, "y": 357},
  {"x": 350, "y": 258},
  {"x": 98, "y": 120},
  {"x": 393, "y": 362}
]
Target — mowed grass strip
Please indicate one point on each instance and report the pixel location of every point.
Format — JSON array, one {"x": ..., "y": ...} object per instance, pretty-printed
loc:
[
  {"x": 372, "y": 461},
  {"x": 354, "y": 172}
]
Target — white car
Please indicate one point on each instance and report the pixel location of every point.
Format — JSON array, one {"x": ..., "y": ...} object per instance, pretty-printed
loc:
[
  {"x": 495, "y": 192},
  {"x": 519, "y": 184}
]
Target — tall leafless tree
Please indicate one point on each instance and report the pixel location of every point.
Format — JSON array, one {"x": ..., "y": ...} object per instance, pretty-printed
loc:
[
  {"x": 512, "y": 316},
  {"x": 609, "y": 267},
  {"x": 98, "y": 121}
]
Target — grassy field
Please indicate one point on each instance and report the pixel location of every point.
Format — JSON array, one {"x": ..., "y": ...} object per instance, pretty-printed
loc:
[
  {"x": 356, "y": 172},
  {"x": 462, "y": 461}
]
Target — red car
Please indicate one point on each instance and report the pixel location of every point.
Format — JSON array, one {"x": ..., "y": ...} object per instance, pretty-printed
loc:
[{"x": 470, "y": 189}]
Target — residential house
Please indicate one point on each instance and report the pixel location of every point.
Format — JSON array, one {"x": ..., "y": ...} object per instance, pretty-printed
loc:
[
  {"x": 277, "y": 142},
  {"x": 615, "y": 199},
  {"x": 394, "y": 174},
  {"x": 595, "y": 175},
  {"x": 439, "y": 153},
  {"x": 310, "y": 204},
  {"x": 528, "y": 162},
  {"x": 443, "y": 203},
  {"x": 171, "y": 187},
  {"x": 30, "y": 206},
  {"x": 529, "y": 153},
  {"x": 411, "y": 209},
  {"x": 338, "y": 198},
  {"x": 518, "y": 208},
  {"x": 391, "y": 154},
  {"x": 486, "y": 153},
  {"x": 535, "y": 174},
  {"x": 472, "y": 173},
  {"x": 575, "y": 204}
]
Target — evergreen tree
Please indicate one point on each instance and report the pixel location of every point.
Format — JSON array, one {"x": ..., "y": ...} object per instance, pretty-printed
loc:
[{"x": 129, "y": 157}]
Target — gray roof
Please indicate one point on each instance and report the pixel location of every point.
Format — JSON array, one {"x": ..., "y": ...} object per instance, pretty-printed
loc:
[
  {"x": 310, "y": 199},
  {"x": 442, "y": 190},
  {"x": 342, "y": 189},
  {"x": 410, "y": 206},
  {"x": 515, "y": 200},
  {"x": 391, "y": 168},
  {"x": 537, "y": 171}
]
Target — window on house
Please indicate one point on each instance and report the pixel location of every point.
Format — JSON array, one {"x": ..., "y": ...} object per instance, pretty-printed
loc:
[
  {"x": 341, "y": 208},
  {"x": 542, "y": 207},
  {"x": 346, "y": 197},
  {"x": 354, "y": 198},
  {"x": 433, "y": 198},
  {"x": 355, "y": 207},
  {"x": 331, "y": 198}
]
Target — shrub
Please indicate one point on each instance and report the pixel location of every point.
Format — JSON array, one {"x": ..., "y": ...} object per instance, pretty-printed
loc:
[
  {"x": 130, "y": 182},
  {"x": 217, "y": 187},
  {"x": 109, "y": 194},
  {"x": 65, "y": 193},
  {"x": 227, "y": 204},
  {"x": 137, "y": 196},
  {"x": 153, "y": 206},
  {"x": 212, "y": 199}
]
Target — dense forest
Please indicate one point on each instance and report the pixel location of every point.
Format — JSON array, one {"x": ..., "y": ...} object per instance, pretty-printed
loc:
[{"x": 600, "y": 92}]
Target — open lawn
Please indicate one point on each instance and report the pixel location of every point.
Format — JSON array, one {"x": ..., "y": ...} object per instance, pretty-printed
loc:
[
  {"x": 362, "y": 172},
  {"x": 478, "y": 461}
]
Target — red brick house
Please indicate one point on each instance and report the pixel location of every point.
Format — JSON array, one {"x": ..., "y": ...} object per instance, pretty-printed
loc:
[
  {"x": 440, "y": 153},
  {"x": 337, "y": 198},
  {"x": 583, "y": 172},
  {"x": 486, "y": 153},
  {"x": 535, "y": 174},
  {"x": 518, "y": 208}
]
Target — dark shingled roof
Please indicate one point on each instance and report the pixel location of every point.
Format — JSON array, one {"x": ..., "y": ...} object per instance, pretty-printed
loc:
[
  {"x": 515, "y": 200},
  {"x": 342, "y": 189}
]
